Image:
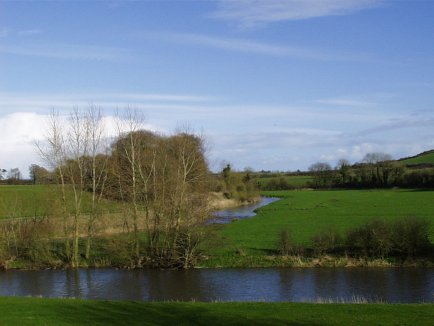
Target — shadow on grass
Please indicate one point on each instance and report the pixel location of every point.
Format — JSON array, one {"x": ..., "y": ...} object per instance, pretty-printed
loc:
[{"x": 67, "y": 311}]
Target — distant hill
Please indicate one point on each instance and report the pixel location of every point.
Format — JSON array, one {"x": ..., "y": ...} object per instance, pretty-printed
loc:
[{"x": 422, "y": 158}]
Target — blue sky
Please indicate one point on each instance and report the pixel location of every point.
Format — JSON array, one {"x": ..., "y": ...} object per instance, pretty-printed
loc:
[{"x": 272, "y": 84}]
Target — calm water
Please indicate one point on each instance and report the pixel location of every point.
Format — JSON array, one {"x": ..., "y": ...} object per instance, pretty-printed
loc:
[
  {"x": 275, "y": 284},
  {"x": 227, "y": 215}
]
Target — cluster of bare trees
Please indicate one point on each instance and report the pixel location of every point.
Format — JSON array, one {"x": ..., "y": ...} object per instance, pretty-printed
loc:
[
  {"x": 161, "y": 181},
  {"x": 13, "y": 176}
]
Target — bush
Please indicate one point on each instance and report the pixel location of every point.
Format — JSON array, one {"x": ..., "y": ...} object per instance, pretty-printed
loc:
[
  {"x": 277, "y": 184},
  {"x": 27, "y": 239},
  {"x": 406, "y": 238},
  {"x": 327, "y": 241},
  {"x": 411, "y": 236},
  {"x": 372, "y": 239}
]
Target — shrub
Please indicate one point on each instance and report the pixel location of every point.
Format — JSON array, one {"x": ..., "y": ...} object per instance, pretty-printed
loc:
[
  {"x": 411, "y": 236},
  {"x": 326, "y": 241},
  {"x": 405, "y": 237},
  {"x": 286, "y": 243},
  {"x": 372, "y": 239}
]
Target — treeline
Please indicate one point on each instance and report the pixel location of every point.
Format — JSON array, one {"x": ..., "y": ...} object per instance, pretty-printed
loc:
[
  {"x": 376, "y": 170},
  {"x": 405, "y": 238},
  {"x": 381, "y": 174},
  {"x": 162, "y": 183}
]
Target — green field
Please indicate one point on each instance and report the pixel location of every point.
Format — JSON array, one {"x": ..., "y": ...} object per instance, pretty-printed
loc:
[
  {"x": 305, "y": 213},
  {"x": 39, "y": 200},
  {"x": 251, "y": 242},
  {"x": 39, "y": 311},
  {"x": 427, "y": 157}
]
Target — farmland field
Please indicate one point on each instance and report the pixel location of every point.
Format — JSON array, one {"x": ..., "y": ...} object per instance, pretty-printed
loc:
[
  {"x": 38, "y": 200},
  {"x": 305, "y": 213}
]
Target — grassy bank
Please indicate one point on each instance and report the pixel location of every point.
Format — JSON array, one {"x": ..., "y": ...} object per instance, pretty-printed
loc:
[
  {"x": 253, "y": 242},
  {"x": 38, "y": 311}
]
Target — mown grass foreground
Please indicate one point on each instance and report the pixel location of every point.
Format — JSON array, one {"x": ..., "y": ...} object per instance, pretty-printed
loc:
[
  {"x": 39, "y": 311},
  {"x": 305, "y": 213}
]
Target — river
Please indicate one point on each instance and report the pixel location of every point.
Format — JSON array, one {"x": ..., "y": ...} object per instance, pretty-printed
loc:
[
  {"x": 241, "y": 212},
  {"x": 395, "y": 285},
  {"x": 403, "y": 285}
]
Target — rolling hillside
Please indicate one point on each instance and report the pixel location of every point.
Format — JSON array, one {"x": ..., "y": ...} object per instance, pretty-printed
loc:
[{"x": 422, "y": 158}]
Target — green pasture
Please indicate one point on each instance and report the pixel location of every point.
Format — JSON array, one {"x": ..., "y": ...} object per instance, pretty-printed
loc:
[
  {"x": 40, "y": 200},
  {"x": 420, "y": 159},
  {"x": 306, "y": 212},
  {"x": 41, "y": 311}
]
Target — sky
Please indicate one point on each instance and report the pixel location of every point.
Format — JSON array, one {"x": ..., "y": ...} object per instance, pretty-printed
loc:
[{"x": 270, "y": 84}]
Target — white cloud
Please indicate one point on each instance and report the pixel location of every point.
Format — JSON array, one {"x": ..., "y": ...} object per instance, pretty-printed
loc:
[
  {"x": 20, "y": 131},
  {"x": 250, "y": 13},
  {"x": 255, "y": 47}
]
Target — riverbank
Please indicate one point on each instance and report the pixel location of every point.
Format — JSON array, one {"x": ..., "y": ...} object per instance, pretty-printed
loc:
[
  {"x": 240, "y": 260},
  {"x": 42, "y": 311}
]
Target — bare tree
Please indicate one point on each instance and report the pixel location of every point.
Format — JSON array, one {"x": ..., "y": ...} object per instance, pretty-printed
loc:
[
  {"x": 343, "y": 167},
  {"x": 14, "y": 174},
  {"x": 52, "y": 151},
  {"x": 322, "y": 174},
  {"x": 380, "y": 167},
  {"x": 127, "y": 152},
  {"x": 72, "y": 149},
  {"x": 98, "y": 167}
]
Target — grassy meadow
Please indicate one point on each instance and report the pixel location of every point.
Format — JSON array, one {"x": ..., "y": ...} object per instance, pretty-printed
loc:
[
  {"x": 39, "y": 200},
  {"x": 40, "y": 311},
  {"x": 305, "y": 213}
]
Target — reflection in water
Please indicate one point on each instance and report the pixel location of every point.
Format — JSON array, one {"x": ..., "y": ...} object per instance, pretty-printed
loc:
[{"x": 403, "y": 285}]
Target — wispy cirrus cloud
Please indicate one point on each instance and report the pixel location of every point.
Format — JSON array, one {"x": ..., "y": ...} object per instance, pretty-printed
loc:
[
  {"x": 346, "y": 102},
  {"x": 11, "y": 102},
  {"x": 29, "y": 32},
  {"x": 66, "y": 51},
  {"x": 411, "y": 122},
  {"x": 252, "y": 13},
  {"x": 255, "y": 47},
  {"x": 7, "y": 32}
]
